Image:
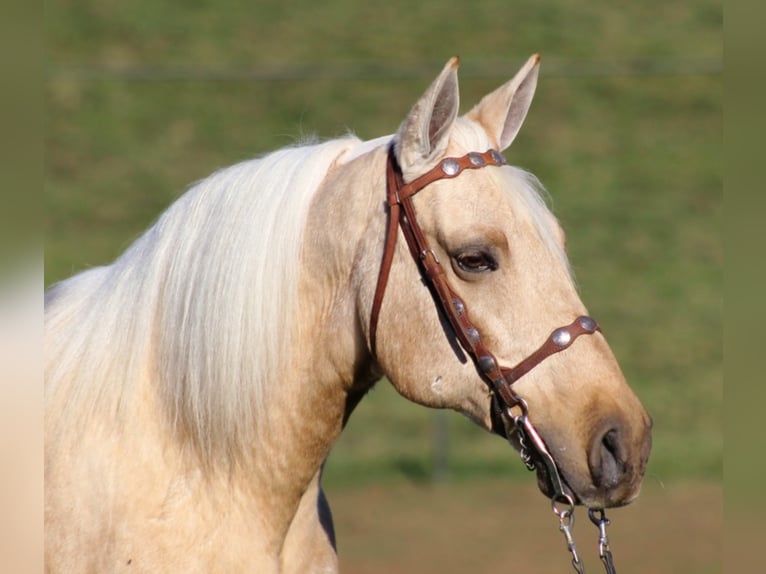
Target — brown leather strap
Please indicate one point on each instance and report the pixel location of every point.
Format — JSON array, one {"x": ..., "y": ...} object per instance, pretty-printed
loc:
[
  {"x": 562, "y": 338},
  {"x": 385, "y": 265},
  {"x": 397, "y": 193},
  {"x": 448, "y": 168},
  {"x": 402, "y": 211}
]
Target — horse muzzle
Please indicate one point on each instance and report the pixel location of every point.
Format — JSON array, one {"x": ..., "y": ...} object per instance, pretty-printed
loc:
[{"x": 614, "y": 465}]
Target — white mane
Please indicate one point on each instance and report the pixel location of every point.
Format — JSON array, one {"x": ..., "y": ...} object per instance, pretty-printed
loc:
[{"x": 201, "y": 302}]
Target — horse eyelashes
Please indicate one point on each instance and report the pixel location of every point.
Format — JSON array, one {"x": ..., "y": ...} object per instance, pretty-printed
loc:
[{"x": 476, "y": 261}]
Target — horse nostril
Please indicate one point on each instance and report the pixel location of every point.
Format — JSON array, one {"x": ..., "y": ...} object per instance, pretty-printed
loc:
[
  {"x": 610, "y": 442},
  {"x": 606, "y": 460}
]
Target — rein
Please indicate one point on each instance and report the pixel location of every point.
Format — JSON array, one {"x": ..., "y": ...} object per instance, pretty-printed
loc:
[{"x": 533, "y": 451}]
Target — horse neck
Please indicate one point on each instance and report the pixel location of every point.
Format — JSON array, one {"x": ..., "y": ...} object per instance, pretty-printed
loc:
[
  {"x": 332, "y": 351},
  {"x": 330, "y": 367}
]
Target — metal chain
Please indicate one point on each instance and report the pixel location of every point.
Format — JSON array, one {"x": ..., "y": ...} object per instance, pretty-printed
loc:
[
  {"x": 531, "y": 442},
  {"x": 524, "y": 454},
  {"x": 598, "y": 517},
  {"x": 566, "y": 522}
]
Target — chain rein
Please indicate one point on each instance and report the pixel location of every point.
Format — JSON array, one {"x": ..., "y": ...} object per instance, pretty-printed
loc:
[{"x": 532, "y": 447}]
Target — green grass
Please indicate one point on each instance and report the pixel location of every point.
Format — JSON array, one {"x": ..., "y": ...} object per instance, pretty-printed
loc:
[{"x": 144, "y": 98}]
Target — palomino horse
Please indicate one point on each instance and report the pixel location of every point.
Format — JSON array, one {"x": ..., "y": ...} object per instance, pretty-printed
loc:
[{"x": 195, "y": 386}]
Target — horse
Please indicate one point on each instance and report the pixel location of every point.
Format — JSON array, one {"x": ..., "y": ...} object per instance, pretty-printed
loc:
[{"x": 195, "y": 386}]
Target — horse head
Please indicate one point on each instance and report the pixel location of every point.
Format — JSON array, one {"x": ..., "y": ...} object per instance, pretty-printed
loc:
[{"x": 502, "y": 252}]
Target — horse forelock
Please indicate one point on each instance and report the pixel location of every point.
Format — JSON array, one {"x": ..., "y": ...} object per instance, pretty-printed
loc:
[
  {"x": 527, "y": 195},
  {"x": 203, "y": 304}
]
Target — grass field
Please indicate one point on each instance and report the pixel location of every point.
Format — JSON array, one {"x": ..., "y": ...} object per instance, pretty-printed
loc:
[{"x": 144, "y": 98}]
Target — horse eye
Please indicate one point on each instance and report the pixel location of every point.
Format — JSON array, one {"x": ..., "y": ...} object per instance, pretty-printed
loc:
[{"x": 476, "y": 261}]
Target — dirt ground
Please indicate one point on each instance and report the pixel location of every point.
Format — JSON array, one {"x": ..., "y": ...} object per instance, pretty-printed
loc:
[{"x": 498, "y": 527}]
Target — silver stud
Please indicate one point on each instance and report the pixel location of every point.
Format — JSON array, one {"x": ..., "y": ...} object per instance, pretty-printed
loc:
[
  {"x": 497, "y": 157},
  {"x": 486, "y": 364},
  {"x": 476, "y": 159},
  {"x": 472, "y": 334},
  {"x": 587, "y": 323},
  {"x": 450, "y": 166},
  {"x": 561, "y": 337},
  {"x": 459, "y": 306}
]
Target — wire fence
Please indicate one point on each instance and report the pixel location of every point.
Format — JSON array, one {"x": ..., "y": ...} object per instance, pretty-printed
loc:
[{"x": 366, "y": 72}]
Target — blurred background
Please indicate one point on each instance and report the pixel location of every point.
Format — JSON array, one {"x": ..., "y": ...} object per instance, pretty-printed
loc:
[{"x": 144, "y": 98}]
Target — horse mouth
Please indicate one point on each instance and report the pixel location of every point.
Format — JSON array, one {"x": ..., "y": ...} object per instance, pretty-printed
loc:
[
  {"x": 590, "y": 496},
  {"x": 593, "y": 490},
  {"x": 545, "y": 483}
]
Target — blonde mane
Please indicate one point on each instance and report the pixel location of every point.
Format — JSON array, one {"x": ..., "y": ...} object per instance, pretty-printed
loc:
[{"x": 202, "y": 302}]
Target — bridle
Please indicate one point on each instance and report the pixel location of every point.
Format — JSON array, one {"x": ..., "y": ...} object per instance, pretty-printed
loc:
[{"x": 533, "y": 451}]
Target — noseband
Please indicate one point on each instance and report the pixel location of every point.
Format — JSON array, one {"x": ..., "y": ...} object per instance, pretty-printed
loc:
[{"x": 401, "y": 212}]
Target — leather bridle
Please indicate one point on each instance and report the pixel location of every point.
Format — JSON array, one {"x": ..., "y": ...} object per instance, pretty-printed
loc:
[
  {"x": 401, "y": 212},
  {"x": 532, "y": 448}
]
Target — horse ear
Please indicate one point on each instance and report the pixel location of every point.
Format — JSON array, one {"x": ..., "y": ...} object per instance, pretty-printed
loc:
[
  {"x": 424, "y": 133},
  {"x": 502, "y": 112}
]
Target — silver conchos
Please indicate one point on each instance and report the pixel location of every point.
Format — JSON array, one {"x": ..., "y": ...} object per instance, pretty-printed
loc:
[
  {"x": 476, "y": 159},
  {"x": 486, "y": 364},
  {"x": 587, "y": 323},
  {"x": 561, "y": 337},
  {"x": 472, "y": 334},
  {"x": 497, "y": 157},
  {"x": 450, "y": 167},
  {"x": 459, "y": 306}
]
